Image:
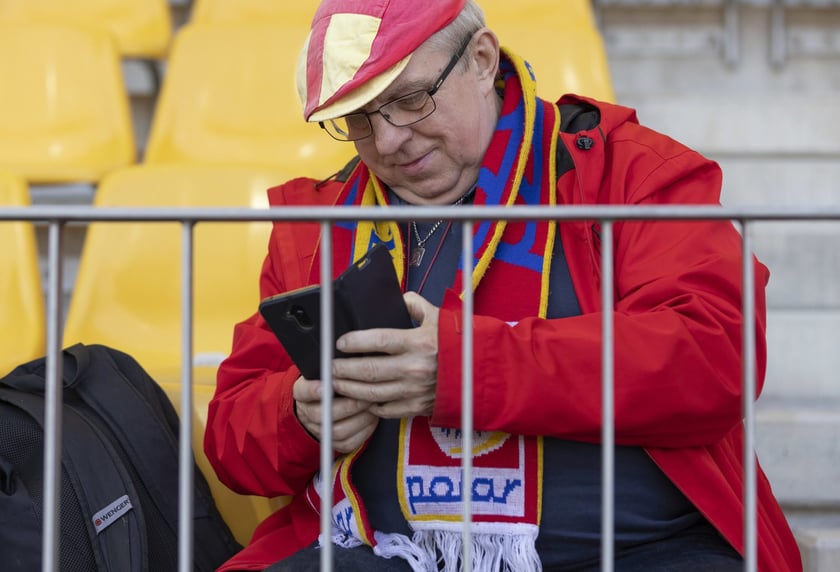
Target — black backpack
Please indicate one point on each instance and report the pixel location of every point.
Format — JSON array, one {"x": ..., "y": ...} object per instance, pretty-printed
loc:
[{"x": 118, "y": 476}]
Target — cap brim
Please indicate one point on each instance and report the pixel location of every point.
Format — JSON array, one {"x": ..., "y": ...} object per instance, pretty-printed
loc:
[{"x": 360, "y": 97}]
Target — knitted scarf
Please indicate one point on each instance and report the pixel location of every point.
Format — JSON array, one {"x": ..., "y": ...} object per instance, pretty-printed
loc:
[{"x": 506, "y": 487}]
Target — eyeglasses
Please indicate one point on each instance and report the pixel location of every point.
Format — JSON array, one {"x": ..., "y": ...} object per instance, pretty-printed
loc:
[{"x": 406, "y": 110}]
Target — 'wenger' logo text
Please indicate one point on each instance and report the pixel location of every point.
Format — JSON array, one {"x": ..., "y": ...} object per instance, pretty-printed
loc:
[{"x": 111, "y": 513}]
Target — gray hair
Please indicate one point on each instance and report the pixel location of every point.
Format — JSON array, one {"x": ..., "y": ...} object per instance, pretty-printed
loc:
[{"x": 467, "y": 23}]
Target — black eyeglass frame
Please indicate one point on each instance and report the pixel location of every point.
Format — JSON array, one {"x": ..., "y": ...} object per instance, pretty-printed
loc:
[{"x": 430, "y": 92}]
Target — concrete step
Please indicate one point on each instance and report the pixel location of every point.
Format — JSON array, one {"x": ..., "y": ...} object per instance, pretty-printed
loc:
[
  {"x": 804, "y": 264},
  {"x": 681, "y": 49},
  {"x": 820, "y": 549},
  {"x": 781, "y": 125},
  {"x": 668, "y": 64},
  {"x": 802, "y": 360},
  {"x": 780, "y": 180},
  {"x": 798, "y": 445}
]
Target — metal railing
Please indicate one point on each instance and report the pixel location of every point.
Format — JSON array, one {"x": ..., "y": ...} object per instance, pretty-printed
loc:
[{"x": 59, "y": 216}]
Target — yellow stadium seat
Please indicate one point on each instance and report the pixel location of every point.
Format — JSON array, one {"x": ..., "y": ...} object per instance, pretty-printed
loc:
[
  {"x": 229, "y": 97},
  {"x": 22, "y": 320},
  {"x": 127, "y": 292},
  {"x": 142, "y": 28},
  {"x": 242, "y": 513},
  {"x": 128, "y": 287},
  {"x": 253, "y": 11},
  {"x": 64, "y": 111},
  {"x": 559, "y": 40}
]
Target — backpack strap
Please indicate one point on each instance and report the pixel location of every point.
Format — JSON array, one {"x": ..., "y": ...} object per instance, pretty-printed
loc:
[
  {"x": 95, "y": 472},
  {"x": 92, "y": 375},
  {"x": 114, "y": 385}
]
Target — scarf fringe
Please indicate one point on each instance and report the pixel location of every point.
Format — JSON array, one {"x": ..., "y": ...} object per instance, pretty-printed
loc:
[
  {"x": 342, "y": 539},
  {"x": 430, "y": 549},
  {"x": 490, "y": 552},
  {"x": 401, "y": 546}
]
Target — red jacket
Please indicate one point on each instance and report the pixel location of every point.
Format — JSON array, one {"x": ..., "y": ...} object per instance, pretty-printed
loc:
[{"x": 677, "y": 348}]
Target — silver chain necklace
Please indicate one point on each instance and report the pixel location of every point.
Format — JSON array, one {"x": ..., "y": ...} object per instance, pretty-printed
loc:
[{"x": 417, "y": 252}]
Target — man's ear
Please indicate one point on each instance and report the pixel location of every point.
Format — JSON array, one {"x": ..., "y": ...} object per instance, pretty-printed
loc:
[{"x": 485, "y": 57}]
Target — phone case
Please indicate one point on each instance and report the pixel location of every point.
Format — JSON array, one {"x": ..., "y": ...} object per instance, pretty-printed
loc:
[{"x": 366, "y": 295}]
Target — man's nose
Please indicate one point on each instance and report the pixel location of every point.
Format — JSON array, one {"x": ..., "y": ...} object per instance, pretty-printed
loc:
[{"x": 387, "y": 137}]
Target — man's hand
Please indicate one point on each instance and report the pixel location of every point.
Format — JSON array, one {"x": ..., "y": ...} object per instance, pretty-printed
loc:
[
  {"x": 353, "y": 422},
  {"x": 402, "y": 382}
]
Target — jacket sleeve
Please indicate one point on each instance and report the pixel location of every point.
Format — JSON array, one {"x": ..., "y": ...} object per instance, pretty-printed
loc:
[
  {"x": 677, "y": 320},
  {"x": 253, "y": 438}
]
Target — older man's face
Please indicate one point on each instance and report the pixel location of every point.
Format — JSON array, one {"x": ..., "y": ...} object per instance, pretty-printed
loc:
[{"x": 436, "y": 160}]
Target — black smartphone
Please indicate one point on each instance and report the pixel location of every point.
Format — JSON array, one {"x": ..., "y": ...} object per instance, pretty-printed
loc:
[{"x": 366, "y": 295}]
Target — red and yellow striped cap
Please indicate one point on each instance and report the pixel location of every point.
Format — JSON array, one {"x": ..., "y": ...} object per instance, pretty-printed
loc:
[{"x": 356, "y": 48}]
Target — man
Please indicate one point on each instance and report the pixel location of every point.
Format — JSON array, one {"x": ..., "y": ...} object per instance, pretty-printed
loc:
[{"x": 440, "y": 115}]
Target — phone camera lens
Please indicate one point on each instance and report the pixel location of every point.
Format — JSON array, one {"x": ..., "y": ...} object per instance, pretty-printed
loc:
[{"x": 301, "y": 317}]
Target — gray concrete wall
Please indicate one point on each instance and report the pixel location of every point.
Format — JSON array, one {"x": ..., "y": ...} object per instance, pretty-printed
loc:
[{"x": 773, "y": 123}]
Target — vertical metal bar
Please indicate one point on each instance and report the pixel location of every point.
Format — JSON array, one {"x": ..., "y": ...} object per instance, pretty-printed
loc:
[
  {"x": 327, "y": 395},
  {"x": 607, "y": 400},
  {"x": 467, "y": 395},
  {"x": 749, "y": 396},
  {"x": 52, "y": 413},
  {"x": 185, "y": 462}
]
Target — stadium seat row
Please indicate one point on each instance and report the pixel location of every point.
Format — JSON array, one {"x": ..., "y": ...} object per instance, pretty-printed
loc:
[
  {"x": 127, "y": 293},
  {"x": 228, "y": 95},
  {"x": 140, "y": 28},
  {"x": 144, "y": 28},
  {"x": 228, "y": 98}
]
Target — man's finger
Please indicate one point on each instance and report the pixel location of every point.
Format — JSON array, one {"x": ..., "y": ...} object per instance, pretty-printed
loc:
[
  {"x": 417, "y": 306},
  {"x": 378, "y": 340}
]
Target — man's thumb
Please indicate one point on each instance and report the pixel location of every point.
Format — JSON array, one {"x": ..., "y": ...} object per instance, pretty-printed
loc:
[{"x": 416, "y": 305}]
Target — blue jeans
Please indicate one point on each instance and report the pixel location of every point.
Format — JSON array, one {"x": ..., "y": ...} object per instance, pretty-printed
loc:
[{"x": 699, "y": 549}]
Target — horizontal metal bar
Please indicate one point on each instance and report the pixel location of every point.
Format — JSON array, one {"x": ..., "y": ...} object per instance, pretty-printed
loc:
[{"x": 476, "y": 213}]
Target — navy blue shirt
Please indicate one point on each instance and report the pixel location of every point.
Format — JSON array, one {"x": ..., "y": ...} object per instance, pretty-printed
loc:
[{"x": 648, "y": 506}]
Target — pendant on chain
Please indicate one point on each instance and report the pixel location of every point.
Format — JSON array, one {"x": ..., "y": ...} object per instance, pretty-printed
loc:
[{"x": 416, "y": 256}]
